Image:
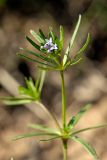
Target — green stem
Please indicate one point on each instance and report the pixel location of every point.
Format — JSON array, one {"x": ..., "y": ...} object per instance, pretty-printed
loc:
[
  {"x": 63, "y": 101},
  {"x": 64, "y": 149}
]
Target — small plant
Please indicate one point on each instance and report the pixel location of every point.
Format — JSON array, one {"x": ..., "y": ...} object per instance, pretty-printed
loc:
[{"x": 50, "y": 56}]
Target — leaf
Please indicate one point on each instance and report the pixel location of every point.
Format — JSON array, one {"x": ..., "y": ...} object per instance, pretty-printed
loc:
[
  {"x": 33, "y": 134},
  {"x": 37, "y": 37},
  {"x": 33, "y": 43},
  {"x": 33, "y": 60},
  {"x": 48, "y": 68},
  {"x": 72, "y": 40},
  {"x": 74, "y": 120},
  {"x": 50, "y": 139},
  {"x": 79, "y": 53},
  {"x": 31, "y": 86},
  {"x": 61, "y": 36},
  {"x": 89, "y": 128},
  {"x": 45, "y": 68},
  {"x": 15, "y": 101},
  {"x": 43, "y": 128},
  {"x": 86, "y": 146},
  {"x": 42, "y": 34},
  {"x": 51, "y": 34},
  {"x": 23, "y": 91},
  {"x": 39, "y": 56},
  {"x": 40, "y": 81},
  {"x": 75, "y": 61}
]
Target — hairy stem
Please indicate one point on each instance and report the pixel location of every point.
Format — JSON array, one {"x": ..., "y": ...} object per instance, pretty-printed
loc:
[{"x": 63, "y": 101}]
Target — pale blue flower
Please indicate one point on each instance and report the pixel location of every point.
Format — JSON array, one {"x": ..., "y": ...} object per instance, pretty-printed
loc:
[{"x": 49, "y": 45}]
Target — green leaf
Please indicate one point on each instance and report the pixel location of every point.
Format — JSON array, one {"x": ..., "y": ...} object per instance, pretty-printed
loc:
[
  {"x": 33, "y": 60},
  {"x": 87, "y": 147},
  {"x": 31, "y": 86},
  {"x": 23, "y": 91},
  {"x": 37, "y": 37},
  {"x": 43, "y": 128},
  {"x": 61, "y": 36},
  {"x": 75, "y": 61},
  {"x": 33, "y": 43},
  {"x": 39, "y": 56},
  {"x": 42, "y": 34},
  {"x": 89, "y": 128},
  {"x": 51, "y": 34},
  {"x": 71, "y": 41},
  {"x": 48, "y": 68},
  {"x": 40, "y": 81},
  {"x": 15, "y": 101},
  {"x": 74, "y": 120},
  {"x": 33, "y": 134},
  {"x": 79, "y": 53},
  {"x": 50, "y": 139}
]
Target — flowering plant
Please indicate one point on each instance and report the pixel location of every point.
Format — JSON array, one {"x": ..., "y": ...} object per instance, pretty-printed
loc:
[{"x": 50, "y": 56}]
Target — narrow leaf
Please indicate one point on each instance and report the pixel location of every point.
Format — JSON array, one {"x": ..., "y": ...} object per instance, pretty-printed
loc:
[
  {"x": 50, "y": 139},
  {"x": 72, "y": 40},
  {"x": 37, "y": 37},
  {"x": 51, "y": 33},
  {"x": 31, "y": 87},
  {"x": 15, "y": 101},
  {"x": 23, "y": 91},
  {"x": 33, "y": 134},
  {"x": 47, "y": 68},
  {"x": 74, "y": 120},
  {"x": 40, "y": 81},
  {"x": 39, "y": 56},
  {"x": 89, "y": 128},
  {"x": 79, "y": 53},
  {"x": 61, "y": 36},
  {"x": 43, "y": 128},
  {"x": 42, "y": 34},
  {"x": 87, "y": 147},
  {"x": 75, "y": 61},
  {"x": 33, "y": 43},
  {"x": 34, "y": 60}
]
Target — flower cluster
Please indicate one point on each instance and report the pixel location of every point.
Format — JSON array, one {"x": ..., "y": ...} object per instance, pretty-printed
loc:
[
  {"x": 50, "y": 56},
  {"x": 49, "y": 45}
]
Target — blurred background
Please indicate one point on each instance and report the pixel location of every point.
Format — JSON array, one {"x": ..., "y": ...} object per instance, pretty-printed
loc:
[{"x": 85, "y": 83}]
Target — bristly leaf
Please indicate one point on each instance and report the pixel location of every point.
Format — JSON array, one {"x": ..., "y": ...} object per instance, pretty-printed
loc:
[
  {"x": 37, "y": 37},
  {"x": 86, "y": 146},
  {"x": 61, "y": 37},
  {"x": 15, "y": 101},
  {"x": 40, "y": 56},
  {"x": 71, "y": 41},
  {"x": 51, "y": 34},
  {"x": 43, "y": 128},
  {"x": 47, "y": 68},
  {"x": 42, "y": 34},
  {"x": 50, "y": 139},
  {"x": 24, "y": 91},
  {"x": 33, "y": 134},
  {"x": 33, "y": 43},
  {"x": 74, "y": 120},
  {"x": 78, "y": 56},
  {"x": 34, "y": 60},
  {"x": 89, "y": 128},
  {"x": 40, "y": 80},
  {"x": 79, "y": 53}
]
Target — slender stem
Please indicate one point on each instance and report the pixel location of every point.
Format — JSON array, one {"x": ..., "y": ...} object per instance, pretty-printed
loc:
[
  {"x": 50, "y": 114},
  {"x": 43, "y": 73},
  {"x": 65, "y": 150},
  {"x": 63, "y": 101}
]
